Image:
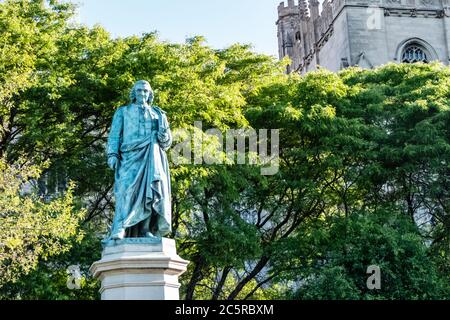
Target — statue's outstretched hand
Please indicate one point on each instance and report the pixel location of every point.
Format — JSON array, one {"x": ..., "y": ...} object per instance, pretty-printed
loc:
[{"x": 112, "y": 162}]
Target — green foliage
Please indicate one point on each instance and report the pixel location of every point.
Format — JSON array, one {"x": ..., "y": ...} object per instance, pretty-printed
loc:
[
  {"x": 49, "y": 280},
  {"x": 351, "y": 145},
  {"x": 346, "y": 247},
  {"x": 32, "y": 228}
]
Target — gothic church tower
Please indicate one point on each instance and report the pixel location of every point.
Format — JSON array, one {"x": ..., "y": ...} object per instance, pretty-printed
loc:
[{"x": 366, "y": 33}]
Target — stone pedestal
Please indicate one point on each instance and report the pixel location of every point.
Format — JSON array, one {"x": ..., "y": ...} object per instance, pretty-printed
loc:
[{"x": 132, "y": 269}]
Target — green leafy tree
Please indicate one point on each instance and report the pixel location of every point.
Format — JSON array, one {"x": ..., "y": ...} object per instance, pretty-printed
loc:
[
  {"x": 32, "y": 228},
  {"x": 54, "y": 277},
  {"x": 351, "y": 142},
  {"x": 344, "y": 247}
]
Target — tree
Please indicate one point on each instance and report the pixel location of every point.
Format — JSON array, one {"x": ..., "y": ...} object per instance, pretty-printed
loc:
[
  {"x": 32, "y": 228},
  {"x": 346, "y": 246},
  {"x": 351, "y": 144},
  {"x": 28, "y": 34},
  {"x": 340, "y": 135}
]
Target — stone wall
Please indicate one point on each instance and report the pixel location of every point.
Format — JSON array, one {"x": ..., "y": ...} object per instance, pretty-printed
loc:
[{"x": 367, "y": 33}]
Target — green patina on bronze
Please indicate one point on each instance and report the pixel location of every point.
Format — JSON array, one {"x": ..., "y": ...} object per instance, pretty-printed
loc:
[{"x": 137, "y": 145}]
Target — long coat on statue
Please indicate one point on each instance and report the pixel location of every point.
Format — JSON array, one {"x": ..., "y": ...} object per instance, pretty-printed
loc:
[{"x": 142, "y": 179}]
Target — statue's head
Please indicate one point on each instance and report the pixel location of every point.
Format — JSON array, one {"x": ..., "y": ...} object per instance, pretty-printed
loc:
[{"x": 141, "y": 91}]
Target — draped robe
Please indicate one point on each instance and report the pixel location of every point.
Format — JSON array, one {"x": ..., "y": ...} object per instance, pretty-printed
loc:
[{"x": 142, "y": 179}]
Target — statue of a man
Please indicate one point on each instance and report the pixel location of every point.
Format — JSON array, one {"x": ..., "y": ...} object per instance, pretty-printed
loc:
[{"x": 137, "y": 145}]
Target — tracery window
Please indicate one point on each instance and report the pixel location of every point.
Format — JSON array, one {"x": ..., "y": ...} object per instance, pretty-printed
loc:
[{"x": 414, "y": 53}]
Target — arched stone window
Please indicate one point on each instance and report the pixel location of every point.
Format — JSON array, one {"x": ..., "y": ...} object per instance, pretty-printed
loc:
[
  {"x": 415, "y": 50},
  {"x": 415, "y": 53}
]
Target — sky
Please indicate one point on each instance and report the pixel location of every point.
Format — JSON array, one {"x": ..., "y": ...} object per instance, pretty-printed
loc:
[{"x": 221, "y": 22}]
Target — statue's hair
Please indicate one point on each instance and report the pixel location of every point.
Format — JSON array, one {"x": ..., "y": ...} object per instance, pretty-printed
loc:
[{"x": 133, "y": 91}]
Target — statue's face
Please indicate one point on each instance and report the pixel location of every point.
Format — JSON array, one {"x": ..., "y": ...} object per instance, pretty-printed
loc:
[{"x": 142, "y": 93}]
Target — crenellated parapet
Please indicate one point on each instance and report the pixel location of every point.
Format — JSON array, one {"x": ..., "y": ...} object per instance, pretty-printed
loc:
[
  {"x": 288, "y": 24},
  {"x": 290, "y": 9}
]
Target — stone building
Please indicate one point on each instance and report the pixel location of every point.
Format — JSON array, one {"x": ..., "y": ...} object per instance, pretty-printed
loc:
[{"x": 366, "y": 33}]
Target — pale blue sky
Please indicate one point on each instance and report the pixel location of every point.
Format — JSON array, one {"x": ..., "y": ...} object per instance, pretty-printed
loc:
[{"x": 222, "y": 22}]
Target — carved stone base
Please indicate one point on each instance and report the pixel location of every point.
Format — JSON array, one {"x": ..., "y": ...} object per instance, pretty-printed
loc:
[{"x": 134, "y": 270}]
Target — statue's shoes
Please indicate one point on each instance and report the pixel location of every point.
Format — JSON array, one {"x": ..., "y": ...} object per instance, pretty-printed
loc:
[
  {"x": 151, "y": 236},
  {"x": 119, "y": 235}
]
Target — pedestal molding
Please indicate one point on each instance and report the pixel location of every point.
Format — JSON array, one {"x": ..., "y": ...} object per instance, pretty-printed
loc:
[{"x": 137, "y": 271}]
